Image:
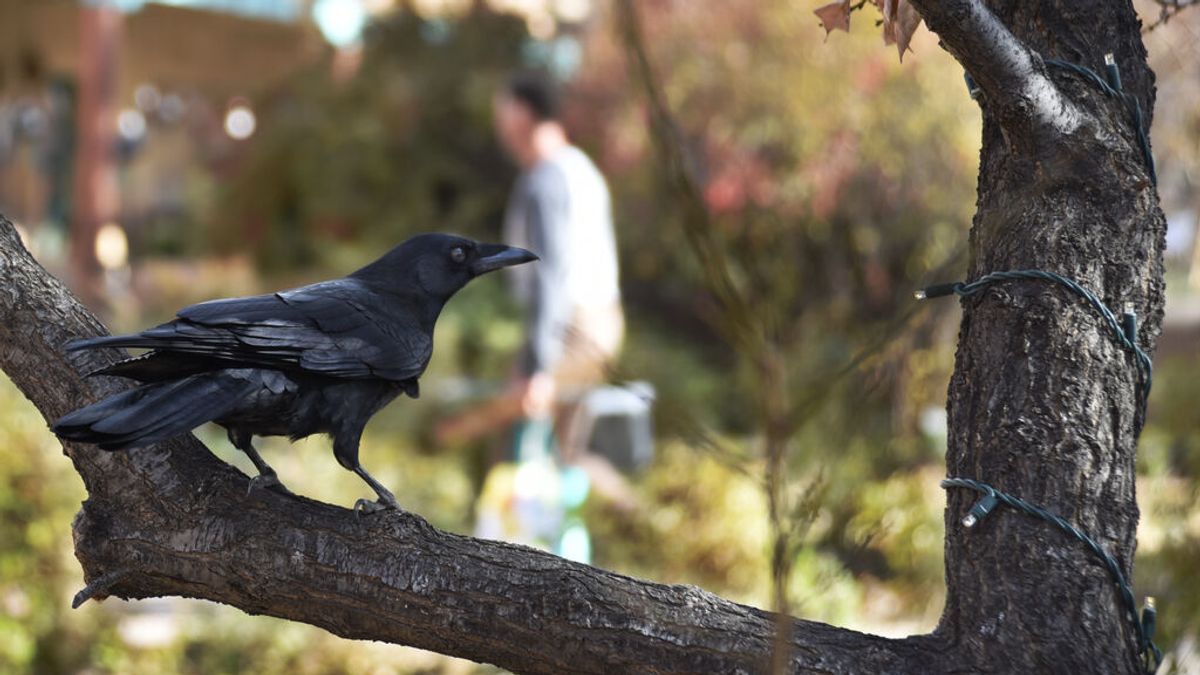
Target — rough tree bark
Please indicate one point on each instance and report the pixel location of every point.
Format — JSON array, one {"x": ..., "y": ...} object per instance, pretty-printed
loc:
[{"x": 1042, "y": 404}]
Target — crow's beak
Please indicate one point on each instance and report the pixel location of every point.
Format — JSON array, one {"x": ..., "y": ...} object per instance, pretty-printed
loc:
[{"x": 494, "y": 256}]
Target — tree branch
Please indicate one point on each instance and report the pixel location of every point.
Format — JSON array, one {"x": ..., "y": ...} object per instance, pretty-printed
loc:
[
  {"x": 1011, "y": 75},
  {"x": 175, "y": 520},
  {"x": 1167, "y": 11}
]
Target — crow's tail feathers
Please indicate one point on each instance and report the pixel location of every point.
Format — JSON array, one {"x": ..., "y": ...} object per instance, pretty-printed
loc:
[
  {"x": 154, "y": 412},
  {"x": 135, "y": 340}
]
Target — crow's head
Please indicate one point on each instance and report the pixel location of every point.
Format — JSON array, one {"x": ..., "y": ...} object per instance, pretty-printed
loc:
[{"x": 440, "y": 264}]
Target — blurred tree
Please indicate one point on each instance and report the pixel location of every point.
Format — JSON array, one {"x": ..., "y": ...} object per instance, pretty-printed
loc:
[
  {"x": 404, "y": 146},
  {"x": 95, "y": 191}
]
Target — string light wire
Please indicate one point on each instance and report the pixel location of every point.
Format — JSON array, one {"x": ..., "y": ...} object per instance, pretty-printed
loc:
[
  {"x": 1143, "y": 625},
  {"x": 1124, "y": 331}
]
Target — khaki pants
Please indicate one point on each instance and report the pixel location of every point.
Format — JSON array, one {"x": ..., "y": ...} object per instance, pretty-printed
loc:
[{"x": 592, "y": 342}]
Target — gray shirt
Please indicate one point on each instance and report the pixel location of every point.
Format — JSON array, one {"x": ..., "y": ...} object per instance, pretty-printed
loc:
[{"x": 560, "y": 209}]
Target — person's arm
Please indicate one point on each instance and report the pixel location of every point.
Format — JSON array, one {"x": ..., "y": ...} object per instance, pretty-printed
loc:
[
  {"x": 550, "y": 304},
  {"x": 547, "y": 216}
]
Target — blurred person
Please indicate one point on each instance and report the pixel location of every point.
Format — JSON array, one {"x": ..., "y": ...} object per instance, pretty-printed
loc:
[{"x": 559, "y": 208}]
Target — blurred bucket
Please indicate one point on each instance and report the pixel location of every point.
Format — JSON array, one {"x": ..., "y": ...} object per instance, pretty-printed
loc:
[{"x": 615, "y": 423}]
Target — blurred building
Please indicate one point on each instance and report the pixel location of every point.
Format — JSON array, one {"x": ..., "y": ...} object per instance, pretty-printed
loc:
[
  {"x": 216, "y": 53},
  {"x": 116, "y": 111}
]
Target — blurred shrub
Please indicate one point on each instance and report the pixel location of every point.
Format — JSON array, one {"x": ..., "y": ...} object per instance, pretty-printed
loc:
[
  {"x": 1169, "y": 531},
  {"x": 39, "y": 494}
]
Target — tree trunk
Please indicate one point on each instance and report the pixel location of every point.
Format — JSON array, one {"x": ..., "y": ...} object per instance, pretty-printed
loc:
[
  {"x": 1043, "y": 401},
  {"x": 1043, "y": 404}
]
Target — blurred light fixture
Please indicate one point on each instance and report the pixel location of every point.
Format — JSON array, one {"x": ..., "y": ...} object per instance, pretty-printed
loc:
[
  {"x": 438, "y": 9},
  {"x": 171, "y": 108},
  {"x": 240, "y": 122},
  {"x": 573, "y": 11},
  {"x": 541, "y": 25},
  {"x": 131, "y": 124},
  {"x": 146, "y": 97},
  {"x": 112, "y": 247},
  {"x": 340, "y": 21}
]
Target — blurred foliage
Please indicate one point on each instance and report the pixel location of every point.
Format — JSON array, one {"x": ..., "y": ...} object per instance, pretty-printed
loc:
[
  {"x": 39, "y": 494},
  {"x": 792, "y": 308},
  {"x": 1169, "y": 495}
]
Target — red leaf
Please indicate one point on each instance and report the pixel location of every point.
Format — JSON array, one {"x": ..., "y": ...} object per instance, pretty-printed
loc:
[
  {"x": 905, "y": 24},
  {"x": 900, "y": 21},
  {"x": 834, "y": 16}
]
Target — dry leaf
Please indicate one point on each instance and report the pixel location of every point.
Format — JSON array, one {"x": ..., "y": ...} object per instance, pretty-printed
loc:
[
  {"x": 900, "y": 21},
  {"x": 834, "y": 16},
  {"x": 904, "y": 25},
  {"x": 888, "y": 9}
]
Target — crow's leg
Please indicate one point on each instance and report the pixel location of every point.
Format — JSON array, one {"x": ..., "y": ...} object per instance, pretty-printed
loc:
[
  {"x": 387, "y": 500},
  {"x": 345, "y": 448},
  {"x": 266, "y": 478}
]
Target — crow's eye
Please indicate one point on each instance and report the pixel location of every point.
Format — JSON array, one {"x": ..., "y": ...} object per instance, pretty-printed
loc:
[{"x": 457, "y": 254}]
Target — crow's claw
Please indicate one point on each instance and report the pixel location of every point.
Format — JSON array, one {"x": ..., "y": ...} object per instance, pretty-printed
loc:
[
  {"x": 368, "y": 507},
  {"x": 267, "y": 481}
]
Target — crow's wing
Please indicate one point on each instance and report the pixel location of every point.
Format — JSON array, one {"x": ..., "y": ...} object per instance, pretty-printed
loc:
[{"x": 335, "y": 328}]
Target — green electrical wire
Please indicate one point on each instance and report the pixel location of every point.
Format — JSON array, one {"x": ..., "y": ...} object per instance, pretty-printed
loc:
[
  {"x": 1143, "y": 625},
  {"x": 1124, "y": 331}
]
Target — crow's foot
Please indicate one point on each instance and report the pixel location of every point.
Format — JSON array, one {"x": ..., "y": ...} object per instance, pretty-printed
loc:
[
  {"x": 387, "y": 500},
  {"x": 368, "y": 507},
  {"x": 267, "y": 481}
]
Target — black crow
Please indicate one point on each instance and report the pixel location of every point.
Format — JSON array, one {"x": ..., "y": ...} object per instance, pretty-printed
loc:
[{"x": 320, "y": 358}]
